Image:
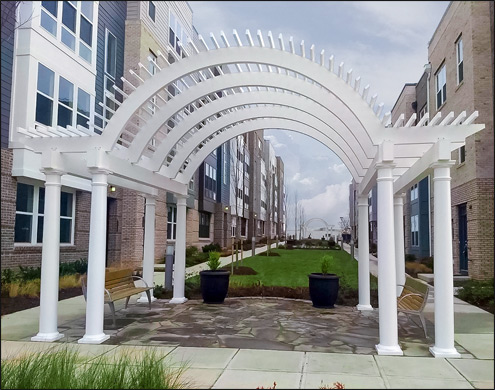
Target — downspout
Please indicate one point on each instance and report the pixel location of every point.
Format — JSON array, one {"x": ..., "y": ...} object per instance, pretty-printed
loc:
[{"x": 427, "y": 68}]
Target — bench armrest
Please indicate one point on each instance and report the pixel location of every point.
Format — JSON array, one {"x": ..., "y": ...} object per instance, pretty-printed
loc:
[
  {"x": 140, "y": 278},
  {"x": 410, "y": 294},
  {"x": 109, "y": 296}
]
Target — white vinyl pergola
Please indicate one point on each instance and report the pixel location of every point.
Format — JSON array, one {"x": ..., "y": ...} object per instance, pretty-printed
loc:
[{"x": 173, "y": 119}]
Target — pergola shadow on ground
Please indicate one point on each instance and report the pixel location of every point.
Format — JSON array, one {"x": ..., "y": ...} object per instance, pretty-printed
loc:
[
  {"x": 167, "y": 123},
  {"x": 255, "y": 323}
]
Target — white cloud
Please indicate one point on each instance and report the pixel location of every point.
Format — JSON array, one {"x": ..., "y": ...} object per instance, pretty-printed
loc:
[
  {"x": 338, "y": 168},
  {"x": 329, "y": 205},
  {"x": 275, "y": 143}
]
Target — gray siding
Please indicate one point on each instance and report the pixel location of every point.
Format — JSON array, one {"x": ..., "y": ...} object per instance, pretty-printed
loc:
[
  {"x": 7, "y": 59},
  {"x": 111, "y": 16}
]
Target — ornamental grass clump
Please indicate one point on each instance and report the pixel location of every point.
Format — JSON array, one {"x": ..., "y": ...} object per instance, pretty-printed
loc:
[
  {"x": 62, "y": 369},
  {"x": 213, "y": 260}
]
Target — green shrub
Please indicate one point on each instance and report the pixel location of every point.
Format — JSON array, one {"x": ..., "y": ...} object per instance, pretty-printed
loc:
[
  {"x": 8, "y": 276},
  {"x": 213, "y": 260},
  {"x": 29, "y": 273},
  {"x": 325, "y": 264},
  {"x": 478, "y": 293},
  {"x": 410, "y": 257},
  {"x": 428, "y": 261},
  {"x": 191, "y": 251},
  {"x": 212, "y": 248},
  {"x": 282, "y": 246}
]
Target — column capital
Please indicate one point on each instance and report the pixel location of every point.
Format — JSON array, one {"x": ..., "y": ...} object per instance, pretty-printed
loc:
[
  {"x": 181, "y": 200},
  {"x": 150, "y": 200},
  {"x": 362, "y": 201},
  {"x": 99, "y": 171},
  {"x": 52, "y": 171},
  {"x": 442, "y": 164},
  {"x": 399, "y": 199}
]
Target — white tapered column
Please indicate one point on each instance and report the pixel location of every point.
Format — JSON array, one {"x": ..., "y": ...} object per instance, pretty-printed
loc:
[
  {"x": 400, "y": 261},
  {"x": 50, "y": 257},
  {"x": 363, "y": 255},
  {"x": 149, "y": 247},
  {"x": 96, "y": 259},
  {"x": 443, "y": 267},
  {"x": 180, "y": 253},
  {"x": 387, "y": 299}
]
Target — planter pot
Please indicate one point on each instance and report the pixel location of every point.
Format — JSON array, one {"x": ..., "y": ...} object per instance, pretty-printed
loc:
[
  {"x": 323, "y": 289},
  {"x": 214, "y": 285}
]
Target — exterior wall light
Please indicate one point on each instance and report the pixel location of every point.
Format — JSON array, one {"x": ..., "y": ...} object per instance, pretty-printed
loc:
[{"x": 112, "y": 188}]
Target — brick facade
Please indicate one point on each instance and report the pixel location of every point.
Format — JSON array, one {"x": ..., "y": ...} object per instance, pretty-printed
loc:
[{"x": 30, "y": 255}]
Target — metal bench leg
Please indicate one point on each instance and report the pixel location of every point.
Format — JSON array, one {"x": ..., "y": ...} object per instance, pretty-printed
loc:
[
  {"x": 112, "y": 308},
  {"x": 149, "y": 297},
  {"x": 127, "y": 301},
  {"x": 423, "y": 322}
]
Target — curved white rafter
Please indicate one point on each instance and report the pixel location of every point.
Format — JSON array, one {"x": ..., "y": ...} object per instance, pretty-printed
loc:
[
  {"x": 274, "y": 80},
  {"x": 244, "y": 54},
  {"x": 364, "y": 151},
  {"x": 342, "y": 149},
  {"x": 245, "y": 127}
]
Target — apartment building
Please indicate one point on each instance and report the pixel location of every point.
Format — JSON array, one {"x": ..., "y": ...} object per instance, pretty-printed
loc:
[
  {"x": 461, "y": 54},
  {"x": 64, "y": 66}
]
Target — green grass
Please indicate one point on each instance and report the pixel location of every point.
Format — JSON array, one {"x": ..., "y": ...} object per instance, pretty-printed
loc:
[
  {"x": 292, "y": 267},
  {"x": 63, "y": 370}
]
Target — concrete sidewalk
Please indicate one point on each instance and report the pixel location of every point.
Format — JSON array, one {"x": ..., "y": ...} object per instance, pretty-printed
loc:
[{"x": 216, "y": 367}]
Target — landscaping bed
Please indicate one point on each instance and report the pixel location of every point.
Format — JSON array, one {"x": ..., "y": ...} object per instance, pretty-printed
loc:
[{"x": 23, "y": 302}]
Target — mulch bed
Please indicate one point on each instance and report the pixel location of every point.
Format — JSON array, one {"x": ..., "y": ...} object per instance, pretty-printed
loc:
[{"x": 21, "y": 302}]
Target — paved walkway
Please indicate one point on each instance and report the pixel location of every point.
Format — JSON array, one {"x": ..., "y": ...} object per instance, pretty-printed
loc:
[{"x": 246, "y": 343}]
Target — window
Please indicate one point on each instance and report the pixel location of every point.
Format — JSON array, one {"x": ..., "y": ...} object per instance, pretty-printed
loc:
[
  {"x": 176, "y": 35},
  {"x": 73, "y": 103},
  {"x": 191, "y": 184},
  {"x": 171, "y": 222},
  {"x": 246, "y": 197},
  {"x": 151, "y": 68},
  {"x": 415, "y": 230},
  {"x": 30, "y": 208},
  {"x": 49, "y": 11},
  {"x": 460, "y": 60},
  {"x": 462, "y": 154},
  {"x": 151, "y": 10},
  {"x": 44, "y": 96},
  {"x": 210, "y": 182},
  {"x": 204, "y": 225},
  {"x": 441, "y": 86},
  {"x": 414, "y": 192},
  {"x": 110, "y": 54},
  {"x": 225, "y": 161},
  {"x": 76, "y": 20}
]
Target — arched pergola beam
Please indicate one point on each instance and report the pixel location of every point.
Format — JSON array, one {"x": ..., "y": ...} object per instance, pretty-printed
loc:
[
  {"x": 348, "y": 123},
  {"x": 338, "y": 87},
  {"x": 340, "y": 148},
  {"x": 271, "y": 123},
  {"x": 327, "y": 123}
]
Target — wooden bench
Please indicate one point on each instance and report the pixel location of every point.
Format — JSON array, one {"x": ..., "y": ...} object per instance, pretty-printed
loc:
[
  {"x": 119, "y": 284},
  {"x": 413, "y": 298}
]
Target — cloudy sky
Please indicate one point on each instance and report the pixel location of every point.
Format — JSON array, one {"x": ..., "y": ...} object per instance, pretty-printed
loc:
[{"x": 383, "y": 42}]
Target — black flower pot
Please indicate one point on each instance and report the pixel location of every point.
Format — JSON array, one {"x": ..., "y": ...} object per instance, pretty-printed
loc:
[
  {"x": 323, "y": 289},
  {"x": 214, "y": 285}
]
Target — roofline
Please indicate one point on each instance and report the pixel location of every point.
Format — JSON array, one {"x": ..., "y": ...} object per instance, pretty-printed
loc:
[
  {"x": 439, "y": 23},
  {"x": 400, "y": 94}
]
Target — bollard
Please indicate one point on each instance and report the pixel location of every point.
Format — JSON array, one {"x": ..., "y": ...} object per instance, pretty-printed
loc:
[{"x": 169, "y": 266}]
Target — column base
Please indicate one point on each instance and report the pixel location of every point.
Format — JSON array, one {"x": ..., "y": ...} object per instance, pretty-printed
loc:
[
  {"x": 444, "y": 352},
  {"x": 364, "y": 307},
  {"x": 178, "y": 300},
  {"x": 145, "y": 299},
  {"x": 47, "y": 337},
  {"x": 389, "y": 350},
  {"x": 97, "y": 339}
]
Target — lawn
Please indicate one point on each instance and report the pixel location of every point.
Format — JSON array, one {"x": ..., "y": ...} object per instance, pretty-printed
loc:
[{"x": 292, "y": 267}]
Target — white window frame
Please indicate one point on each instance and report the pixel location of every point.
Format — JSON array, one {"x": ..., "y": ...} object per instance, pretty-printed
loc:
[
  {"x": 75, "y": 34},
  {"x": 415, "y": 230},
  {"x": 442, "y": 89},
  {"x": 175, "y": 26},
  {"x": 459, "y": 58},
  {"x": 56, "y": 102},
  {"x": 173, "y": 222},
  {"x": 35, "y": 214}
]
